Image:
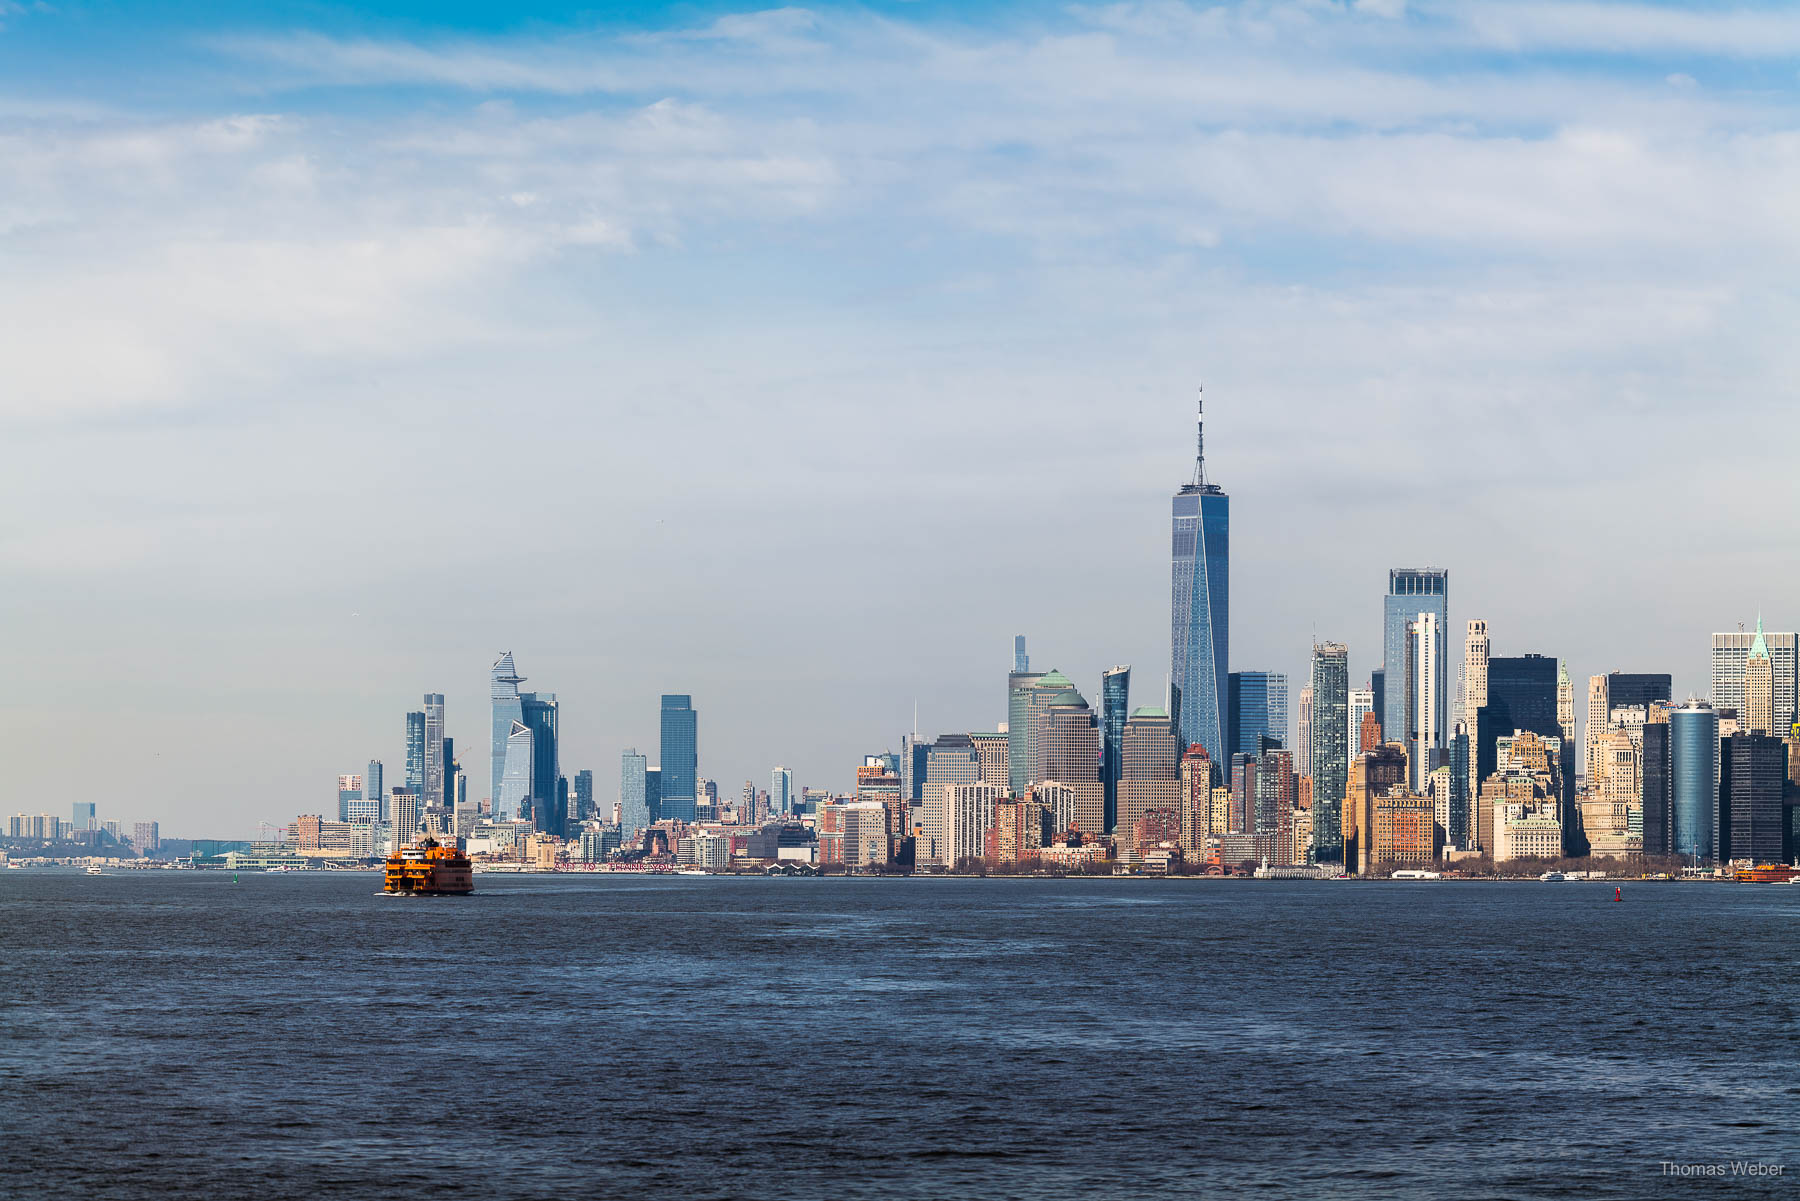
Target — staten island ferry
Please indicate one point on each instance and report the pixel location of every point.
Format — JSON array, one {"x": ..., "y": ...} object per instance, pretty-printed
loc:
[{"x": 430, "y": 870}]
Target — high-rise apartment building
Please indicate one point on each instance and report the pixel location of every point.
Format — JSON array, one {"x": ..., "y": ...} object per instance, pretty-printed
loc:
[
  {"x": 1257, "y": 711},
  {"x": 584, "y": 795},
  {"x": 1694, "y": 779},
  {"x": 1362, "y": 701},
  {"x": 1372, "y": 775},
  {"x": 1149, "y": 772},
  {"x": 634, "y": 795},
  {"x": 781, "y": 790},
  {"x": 350, "y": 788},
  {"x": 541, "y": 718},
  {"x": 1411, "y": 592},
  {"x": 1730, "y": 658},
  {"x": 146, "y": 837},
  {"x": 1115, "y": 708},
  {"x": 373, "y": 790},
  {"x": 1196, "y": 776},
  {"x": 1425, "y": 696},
  {"x": 415, "y": 752},
  {"x": 680, "y": 756},
  {"x": 1337, "y": 710},
  {"x": 1474, "y": 685},
  {"x": 1200, "y": 606},
  {"x": 1303, "y": 720}
]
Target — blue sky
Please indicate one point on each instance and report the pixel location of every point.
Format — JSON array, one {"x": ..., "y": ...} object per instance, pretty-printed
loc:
[{"x": 797, "y": 358}]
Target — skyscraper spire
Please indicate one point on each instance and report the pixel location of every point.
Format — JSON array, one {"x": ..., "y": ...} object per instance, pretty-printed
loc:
[{"x": 1200, "y": 439}]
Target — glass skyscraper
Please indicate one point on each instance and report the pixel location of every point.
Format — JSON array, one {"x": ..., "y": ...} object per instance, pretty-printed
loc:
[
  {"x": 433, "y": 791},
  {"x": 504, "y": 690},
  {"x": 1256, "y": 708},
  {"x": 1115, "y": 697},
  {"x": 781, "y": 789},
  {"x": 415, "y": 753},
  {"x": 680, "y": 756},
  {"x": 1412, "y": 591},
  {"x": 1694, "y": 778},
  {"x": 1200, "y": 606},
  {"x": 1330, "y": 748},
  {"x": 540, "y": 717},
  {"x": 634, "y": 794}
]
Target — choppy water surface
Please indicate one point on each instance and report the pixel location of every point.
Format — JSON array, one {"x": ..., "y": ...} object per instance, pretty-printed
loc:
[{"x": 179, "y": 1033}]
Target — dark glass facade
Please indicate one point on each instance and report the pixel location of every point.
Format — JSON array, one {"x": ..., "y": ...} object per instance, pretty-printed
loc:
[
  {"x": 1257, "y": 711},
  {"x": 1411, "y": 591},
  {"x": 1115, "y": 699},
  {"x": 1200, "y": 613},
  {"x": 1752, "y": 777},
  {"x": 680, "y": 756},
  {"x": 1653, "y": 795}
]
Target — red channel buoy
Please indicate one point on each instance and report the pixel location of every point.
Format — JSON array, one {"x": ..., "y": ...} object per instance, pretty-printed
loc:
[{"x": 1618, "y": 893}]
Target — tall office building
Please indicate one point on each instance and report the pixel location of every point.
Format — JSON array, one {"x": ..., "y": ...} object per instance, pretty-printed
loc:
[
  {"x": 1115, "y": 707},
  {"x": 1730, "y": 658},
  {"x": 1426, "y": 706},
  {"x": 1071, "y": 756},
  {"x": 373, "y": 791},
  {"x": 1521, "y": 696},
  {"x": 1021, "y": 684},
  {"x": 781, "y": 790},
  {"x": 951, "y": 760},
  {"x": 540, "y": 717},
  {"x": 433, "y": 790},
  {"x": 1412, "y": 591},
  {"x": 1334, "y": 715},
  {"x": 912, "y": 766},
  {"x": 415, "y": 753},
  {"x": 1653, "y": 797},
  {"x": 504, "y": 681},
  {"x": 1694, "y": 779},
  {"x": 514, "y": 797},
  {"x": 1256, "y": 709},
  {"x": 1149, "y": 773},
  {"x": 1759, "y": 686},
  {"x": 680, "y": 756},
  {"x": 1200, "y": 605},
  {"x": 1752, "y": 780},
  {"x": 1565, "y": 703},
  {"x": 1617, "y": 690},
  {"x": 1303, "y": 719},
  {"x": 87, "y": 815}
]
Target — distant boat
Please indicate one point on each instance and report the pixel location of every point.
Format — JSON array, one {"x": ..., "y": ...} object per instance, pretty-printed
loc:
[
  {"x": 1552, "y": 877},
  {"x": 1415, "y": 873},
  {"x": 94, "y": 869},
  {"x": 692, "y": 871}
]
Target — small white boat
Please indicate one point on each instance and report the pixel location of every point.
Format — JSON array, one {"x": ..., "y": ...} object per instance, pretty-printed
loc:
[
  {"x": 1552, "y": 877},
  {"x": 94, "y": 869}
]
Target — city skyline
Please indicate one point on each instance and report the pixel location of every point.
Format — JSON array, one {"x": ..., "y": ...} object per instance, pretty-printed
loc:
[{"x": 622, "y": 344}]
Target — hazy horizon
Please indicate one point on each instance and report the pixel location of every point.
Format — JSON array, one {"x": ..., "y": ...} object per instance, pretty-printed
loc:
[{"x": 798, "y": 359}]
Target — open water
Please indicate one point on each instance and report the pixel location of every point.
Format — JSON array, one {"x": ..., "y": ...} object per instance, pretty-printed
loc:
[{"x": 179, "y": 1034}]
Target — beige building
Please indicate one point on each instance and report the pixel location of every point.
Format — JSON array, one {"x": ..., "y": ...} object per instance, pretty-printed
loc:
[
  {"x": 1404, "y": 829},
  {"x": 1149, "y": 775},
  {"x": 1759, "y": 687},
  {"x": 1475, "y": 685},
  {"x": 970, "y": 815},
  {"x": 1070, "y": 755},
  {"x": 990, "y": 748},
  {"x": 1522, "y": 832},
  {"x": 865, "y": 833},
  {"x": 1371, "y": 774}
]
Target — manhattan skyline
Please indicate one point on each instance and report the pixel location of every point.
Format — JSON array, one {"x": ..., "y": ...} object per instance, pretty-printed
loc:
[{"x": 304, "y": 424}]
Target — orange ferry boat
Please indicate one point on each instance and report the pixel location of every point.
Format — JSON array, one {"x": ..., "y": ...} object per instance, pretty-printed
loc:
[
  {"x": 430, "y": 869},
  {"x": 1767, "y": 873}
]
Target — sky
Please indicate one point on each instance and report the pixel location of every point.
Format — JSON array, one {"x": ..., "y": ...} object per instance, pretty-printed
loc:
[{"x": 798, "y": 358}]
